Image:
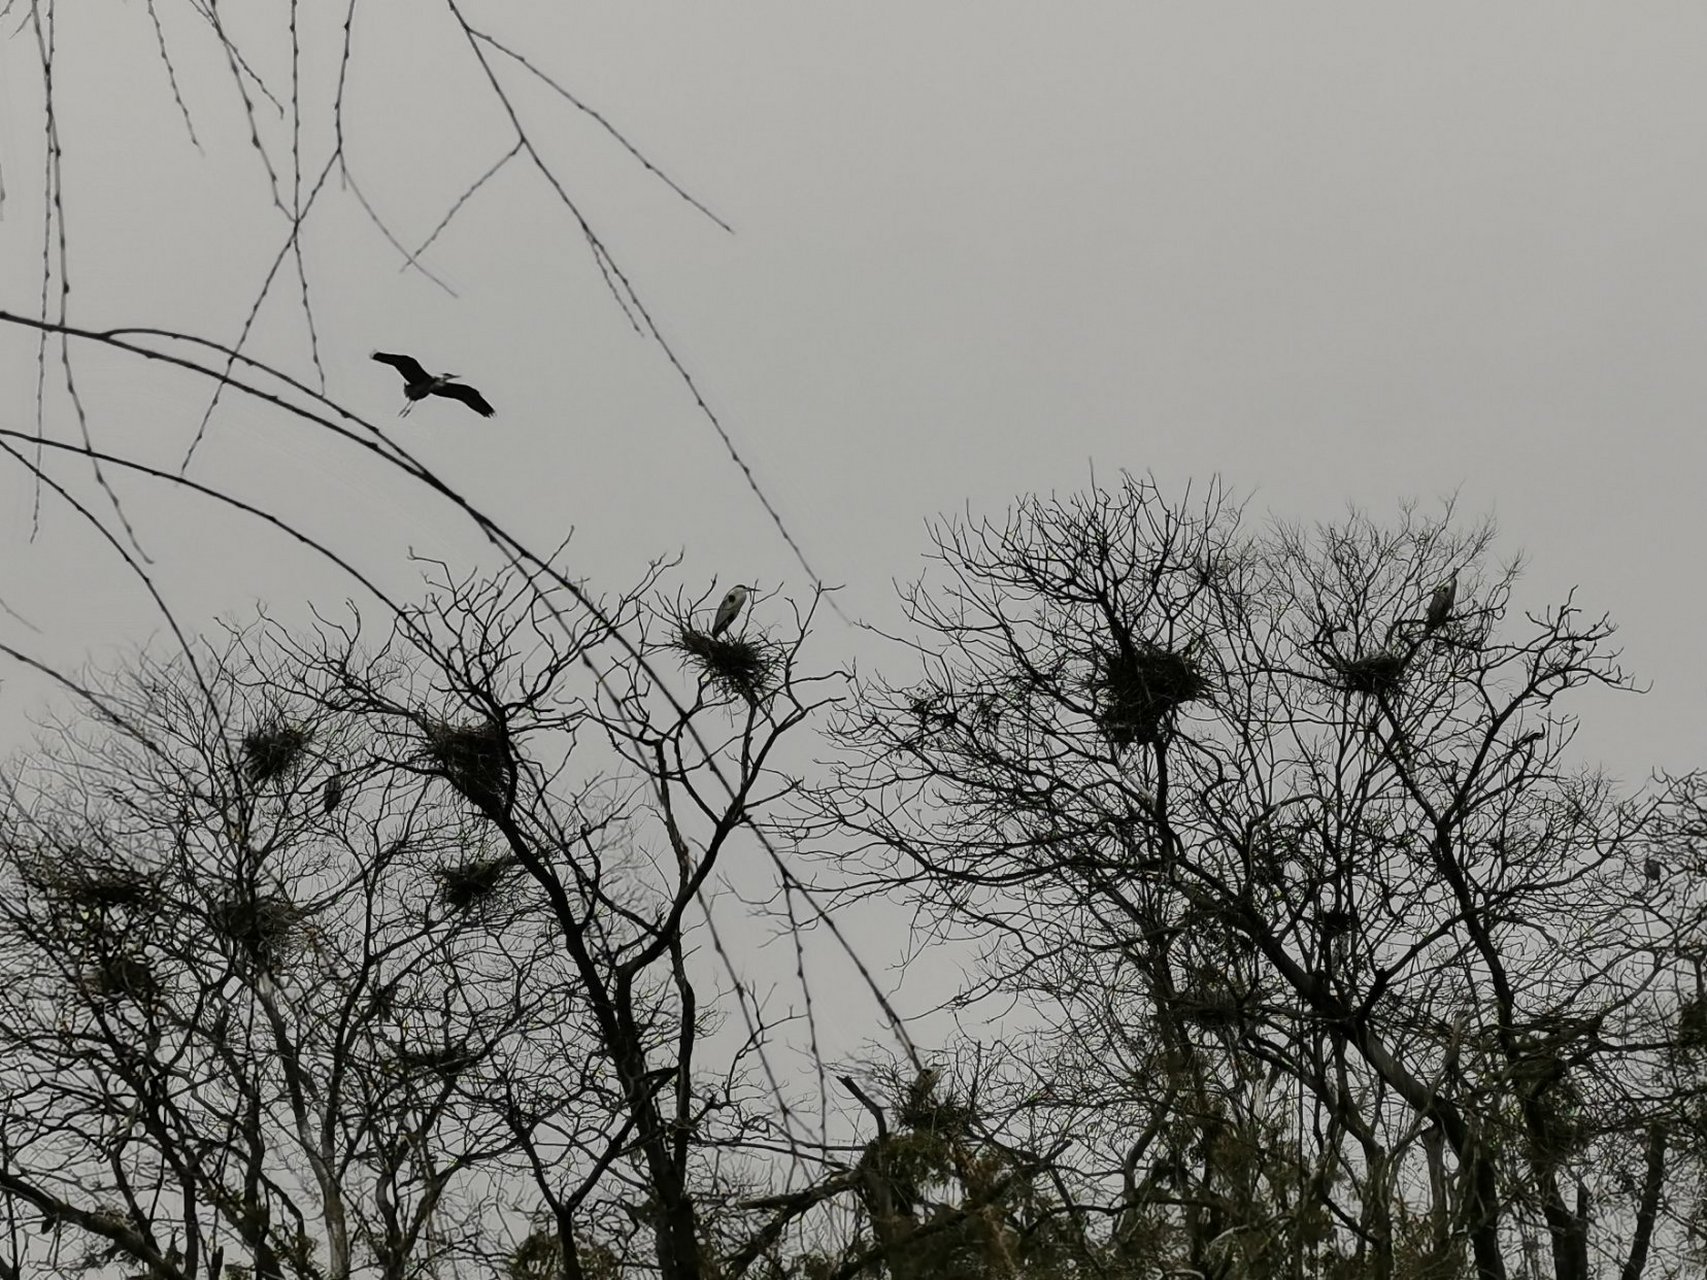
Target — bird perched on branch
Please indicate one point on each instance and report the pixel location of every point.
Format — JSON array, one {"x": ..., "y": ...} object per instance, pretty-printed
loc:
[
  {"x": 418, "y": 384},
  {"x": 727, "y": 611},
  {"x": 1440, "y": 604}
]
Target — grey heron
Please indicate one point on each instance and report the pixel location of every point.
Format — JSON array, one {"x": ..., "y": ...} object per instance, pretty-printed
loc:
[
  {"x": 1440, "y": 604},
  {"x": 730, "y": 607},
  {"x": 418, "y": 384}
]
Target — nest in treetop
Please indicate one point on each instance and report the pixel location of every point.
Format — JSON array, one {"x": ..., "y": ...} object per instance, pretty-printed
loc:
[
  {"x": 930, "y": 1114},
  {"x": 1373, "y": 675},
  {"x": 1208, "y": 1008},
  {"x": 471, "y": 884},
  {"x": 474, "y": 758},
  {"x": 743, "y": 668},
  {"x": 118, "y": 977},
  {"x": 260, "y": 926},
  {"x": 540, "y": 1254},
  {"x": 1337, "y": 920},
  {"x": 272, "y": 749},
  {"x": 1692, "y": 1024},
  {"x": 115, "y": 887},
  {"x": 1138, "y": 688},
  {"x": 445, "y": 1061},
  {"x": 95, "y": 888}
]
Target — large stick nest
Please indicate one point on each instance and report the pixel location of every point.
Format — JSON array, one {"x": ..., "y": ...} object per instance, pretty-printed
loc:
[
  {"x": 120, "y": 977},
  {"x": 464, "y": 886},
  {"x": 925, "y": 1110},
  {"x": 743, "y": 668},
  {"x": 1210, "y": 1007},
  {"x": 475, "y": 759},
  {"x": 262, "y": 927},
  {"x": 94, "y": 888},
  {"x": 447, "y": 1060},
  {"x": 1139, "y": 688},
  {"x": 1692, "y": 1024},
  {"x": 1372, "y": 675},
  {"x": 271, "y": 750}
]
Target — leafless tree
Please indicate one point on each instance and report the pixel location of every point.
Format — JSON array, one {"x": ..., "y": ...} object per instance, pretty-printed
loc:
[
  {"x": 1344, "y": 962},
  {"x": 327, "y": 945}
]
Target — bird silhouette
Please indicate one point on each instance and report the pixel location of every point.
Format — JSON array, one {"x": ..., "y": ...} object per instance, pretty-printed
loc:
[
  {"x": 418, "y": 384},
  {"x": 729, "y": 609},
  {"x": 1440, "y": 605}
]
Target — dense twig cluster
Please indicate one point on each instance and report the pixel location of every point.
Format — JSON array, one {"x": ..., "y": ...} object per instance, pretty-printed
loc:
[
  {"x": 272, "y": 750},
  {"x": 474, "y": 757},
  {"x": 472, "y": 884},
  {"x": 1374, "y": 675},
  {"x": 739, "y": 666},
  {"x": 1139, "y": 687},
  {"x": 263, "y": 927}
]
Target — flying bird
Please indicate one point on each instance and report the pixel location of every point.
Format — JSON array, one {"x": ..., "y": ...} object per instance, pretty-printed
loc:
[
  {"x": 418, "y": 384},
  {"x": 1440, "y": 604},
  {"x": 729, "y": 608}
]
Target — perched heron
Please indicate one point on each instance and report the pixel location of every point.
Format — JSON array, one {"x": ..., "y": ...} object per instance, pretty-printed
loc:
[
  {"x": 333, "y": 793},
  {"x": 1440, "y": 604},
  {"x": 729, "y": 608},
  {"x": 418, "y": 384}
]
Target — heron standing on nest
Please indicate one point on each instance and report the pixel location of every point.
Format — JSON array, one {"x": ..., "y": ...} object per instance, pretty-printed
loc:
[
  {"x": 727, "y": 611},
  {"x": 418, "y": 384}
]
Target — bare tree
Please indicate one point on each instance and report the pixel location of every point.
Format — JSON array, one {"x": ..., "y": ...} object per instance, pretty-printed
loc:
[
  {"x": 1355, "y": 967},
  {"x": 331, "y": 946}
]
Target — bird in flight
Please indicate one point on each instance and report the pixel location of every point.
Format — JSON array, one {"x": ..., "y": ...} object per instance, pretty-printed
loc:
[
  {"x": 728, "y": 609},
  {"x": 418, "y": 384}
]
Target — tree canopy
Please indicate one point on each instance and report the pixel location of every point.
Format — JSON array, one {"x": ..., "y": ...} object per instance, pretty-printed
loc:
[{"x": 346, "y": 952}]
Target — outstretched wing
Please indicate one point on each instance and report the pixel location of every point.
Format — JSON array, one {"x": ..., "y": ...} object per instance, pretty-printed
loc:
[
  {"x": 468, "y": 395},
  {"x": 408, "y": 366}
]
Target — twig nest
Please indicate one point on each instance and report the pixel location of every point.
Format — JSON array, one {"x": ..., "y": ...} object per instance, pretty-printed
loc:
[
  {"x": 924, "y": 1110},
  {"x": 475, "y": 759},
  {"x": 1211, "y": 1007},
  {"x": 120, "y": 977},
  {"x": 1692, "y": 1024},
  {"x": 444, "y": 1060},
  {"x": 1337, "y": 920},
  {"x": 474, "y": 883},
  {"x": 260, "y": 926},
  {"x": 1138, "y": 688},
  {"x": 1374, "y": 674},
  {"x": 271, "y": 750},
  {"x": 743, "y": 668},
  {"x": 95, "y": 889}
]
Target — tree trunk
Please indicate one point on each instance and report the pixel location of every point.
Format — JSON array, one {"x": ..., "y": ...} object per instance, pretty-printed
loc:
[
  {"x": 1649, "y": 1205},
  {"x": 1377, "y": 1216},
  {"x": 1568, "y": 1233},
  {"x": 1439, "y": 1211},
  {"x": 1482, "y": 1215}
]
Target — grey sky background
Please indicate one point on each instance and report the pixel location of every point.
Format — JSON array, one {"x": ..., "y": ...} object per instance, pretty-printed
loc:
[{"x": 1332, "y": 252}]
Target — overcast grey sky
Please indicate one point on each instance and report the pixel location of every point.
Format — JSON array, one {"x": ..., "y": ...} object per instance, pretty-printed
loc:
[{"x": 1333, "y": 252}]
